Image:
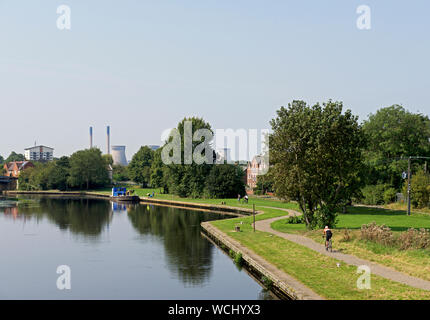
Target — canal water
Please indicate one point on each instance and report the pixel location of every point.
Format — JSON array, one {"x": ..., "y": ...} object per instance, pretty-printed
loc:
[{"x": 113, "y": 251}]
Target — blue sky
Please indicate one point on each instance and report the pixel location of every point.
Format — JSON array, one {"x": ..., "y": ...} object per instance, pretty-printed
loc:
[{"x": 141, "y": 66}]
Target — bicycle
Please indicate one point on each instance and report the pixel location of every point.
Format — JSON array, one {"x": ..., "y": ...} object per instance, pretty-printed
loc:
[{"x": 329, "y": 245}]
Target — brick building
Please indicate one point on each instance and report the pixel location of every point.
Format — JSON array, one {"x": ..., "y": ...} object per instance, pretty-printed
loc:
[
  {"x": 255, "y": 167},
  {"x": 14, "y": 168}
]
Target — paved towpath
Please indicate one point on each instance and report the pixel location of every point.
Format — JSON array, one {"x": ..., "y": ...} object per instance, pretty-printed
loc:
[{"x": 385, "y": 272}]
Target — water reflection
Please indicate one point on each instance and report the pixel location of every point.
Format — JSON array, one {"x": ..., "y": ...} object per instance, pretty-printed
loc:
[
  {"x": 168, "y": 258},
  {"x": 189, "y": 255},
  {"x": 85, "y": 217}
]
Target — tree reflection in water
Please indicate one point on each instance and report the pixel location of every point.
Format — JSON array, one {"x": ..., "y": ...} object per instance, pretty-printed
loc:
[
  {"x": 189, "y": 255},
  {"x": 83, "y": 217}
]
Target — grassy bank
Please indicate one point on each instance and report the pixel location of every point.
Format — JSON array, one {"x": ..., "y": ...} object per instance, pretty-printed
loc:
[
  {"x": 318, "y": 272},
  {"x": 259, "y": 202},
  {"x": 413, "y": 262}
]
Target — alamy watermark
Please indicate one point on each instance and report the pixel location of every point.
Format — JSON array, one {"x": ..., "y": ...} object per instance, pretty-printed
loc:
[
  {"x": 364, "y": 20},
  {"x": 363, "y": 281},
  {"x": 64, "y": 21},
  {"x": 64, "y": 281}
]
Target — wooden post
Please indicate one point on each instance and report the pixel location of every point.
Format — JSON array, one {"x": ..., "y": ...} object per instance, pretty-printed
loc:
[{"x": 253, "y": 213}]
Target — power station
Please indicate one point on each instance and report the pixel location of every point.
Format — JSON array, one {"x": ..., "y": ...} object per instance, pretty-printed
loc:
[
  {"x": 118, "y": 155},
  {"x": 91, "y": 137},
  {"x": 108, "y": 140},
  {"x": 117, "y": 152}
]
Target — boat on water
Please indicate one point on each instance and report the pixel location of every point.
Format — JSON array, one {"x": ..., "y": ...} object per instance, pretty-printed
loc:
[
  {"x": 125, "y": 198},
  {"x": 122, "y": 195}
]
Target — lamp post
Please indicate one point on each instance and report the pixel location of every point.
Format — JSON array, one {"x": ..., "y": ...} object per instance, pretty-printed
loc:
[{"x": 409, "y": 186}]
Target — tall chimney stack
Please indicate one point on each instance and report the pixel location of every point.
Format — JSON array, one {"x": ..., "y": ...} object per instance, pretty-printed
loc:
[
  {"x": 91, "y": 137},
  {"x": 108, "y": 139}
]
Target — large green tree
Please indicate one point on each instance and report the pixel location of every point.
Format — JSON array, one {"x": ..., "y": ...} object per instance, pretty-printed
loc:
[
  {"x": 158, "y": 179},
  {"x": 316, "y": 153},
  {"x": 394, "y": 133},
  {"x": 225, "y": 181},
  {"x": 189, "y": 179},
  {"x": 88, "y": 169},
  {"x": 139, "y": 168}
]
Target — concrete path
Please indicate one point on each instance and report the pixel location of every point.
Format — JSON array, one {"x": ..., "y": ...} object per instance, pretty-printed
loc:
[{"x": 385, "y": 272}]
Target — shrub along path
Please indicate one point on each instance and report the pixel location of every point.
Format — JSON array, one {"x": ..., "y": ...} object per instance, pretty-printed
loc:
[{"x": 388, "y": 273}]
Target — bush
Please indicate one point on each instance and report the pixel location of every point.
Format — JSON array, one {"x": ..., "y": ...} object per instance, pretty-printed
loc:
[
  {"x": 295, "y": 220},
  {"x": 268, "y": 283},
  {"x": 380, "y": 234},
  {"x": 411, "y": 239},
  {"x": 238, "y": 259},
  {"x": 414, "y": 239},
  {"x": 390, "y": 195},
  {"x": 373, "y": 195},
  {"x": 420, "y": 190},
  {"x": 346, "y": 235}
]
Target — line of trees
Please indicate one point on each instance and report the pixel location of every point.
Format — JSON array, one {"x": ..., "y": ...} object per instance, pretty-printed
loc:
[
  {"x": 190, "y": 180},
  {"x": 324, "y": 159},
  {"x": 84, "y": 169},
  {"x": 12, "y": 157}
]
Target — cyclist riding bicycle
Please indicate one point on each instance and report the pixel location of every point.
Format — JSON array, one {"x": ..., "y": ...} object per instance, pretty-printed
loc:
[{"x": 328, "y": 234}]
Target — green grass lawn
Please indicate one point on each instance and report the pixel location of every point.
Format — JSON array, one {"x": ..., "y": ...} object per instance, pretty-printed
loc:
[
  {"x": 318, "y": 272},
  {"x": 413, "y": 262},
  {"x": 258, "y": 201},
  {"x": 357, "y": 216}
]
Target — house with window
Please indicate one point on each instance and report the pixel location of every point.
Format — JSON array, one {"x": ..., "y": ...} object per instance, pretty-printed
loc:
[
  {"x": 255, "y": 167},
  {"x": 14, "y": 168}
]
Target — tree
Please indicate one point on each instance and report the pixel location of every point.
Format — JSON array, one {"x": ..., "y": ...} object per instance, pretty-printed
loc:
[
  {"x": 15, "y": 157},
  {"x": 157, "y": 171},
  {"x": 139, "y": 168},
  {"x": 189, "y": 180},
  {"x": 1, "y": 160},
  {"x": 59, "y": 173},
  {"x": 420, "y": 189},
  {"x": 225, "y": 181},
  {"x": 108, "y": 159},
  {"x": 88, "y": 169},
  {"x": 316, "y": 153},
  {"x": 120, "y": 173},
  {"x": 26, "y": 180},
  {"x": 394, "y": 133},
  {"x": 265, "y": 183}
]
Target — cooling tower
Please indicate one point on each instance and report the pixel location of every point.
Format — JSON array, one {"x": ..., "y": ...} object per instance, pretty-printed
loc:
[{"x": 118, "y": 155}]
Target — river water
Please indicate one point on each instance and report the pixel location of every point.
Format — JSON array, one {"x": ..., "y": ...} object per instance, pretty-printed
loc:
[{"x": 113, "y": 251}]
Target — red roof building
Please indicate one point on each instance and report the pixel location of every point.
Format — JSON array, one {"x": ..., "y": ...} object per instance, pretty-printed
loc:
[{"x": 14, "y": 168}]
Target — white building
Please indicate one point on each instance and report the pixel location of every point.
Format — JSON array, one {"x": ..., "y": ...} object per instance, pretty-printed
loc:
[{"x": 39, "y": 153}]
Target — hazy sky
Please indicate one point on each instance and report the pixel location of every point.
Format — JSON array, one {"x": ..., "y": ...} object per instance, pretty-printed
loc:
[{"x": 141, "y": 66}]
